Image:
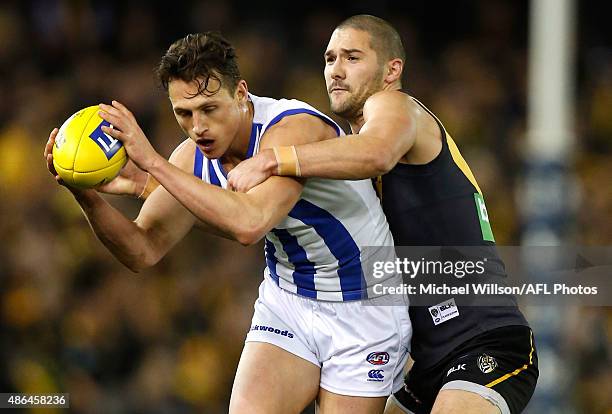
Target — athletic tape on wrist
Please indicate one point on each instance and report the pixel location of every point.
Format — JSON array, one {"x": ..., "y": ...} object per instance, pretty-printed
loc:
[{"x": 287, "y": 161}]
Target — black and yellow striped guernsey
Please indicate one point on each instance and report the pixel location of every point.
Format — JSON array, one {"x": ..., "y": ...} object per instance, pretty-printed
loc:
[{"x": 441, "y": 204}]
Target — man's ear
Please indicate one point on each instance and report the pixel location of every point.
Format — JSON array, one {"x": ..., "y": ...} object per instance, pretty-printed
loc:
[
  {"x": 242, "y": 91},
  {"x": 394, "y": 68}
]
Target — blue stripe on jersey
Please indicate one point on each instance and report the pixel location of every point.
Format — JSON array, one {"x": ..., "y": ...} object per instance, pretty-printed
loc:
[
  {"x": 253, "y": 139},
  {"x": 303, "y": 275},
  {"x": 214, "y": 180},
  {"x": 339, "y": 242},
  {"x": 271, "y": 260},
  {"x": 280, "y": 116},
  {"x": 197, "y": 163}
]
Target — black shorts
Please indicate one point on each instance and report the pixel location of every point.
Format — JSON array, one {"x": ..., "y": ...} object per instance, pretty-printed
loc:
[{"x": 501, "y": 365}]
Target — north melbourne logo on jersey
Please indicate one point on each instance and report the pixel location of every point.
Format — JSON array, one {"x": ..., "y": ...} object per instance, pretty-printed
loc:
[{"x": 444, "y": 311}]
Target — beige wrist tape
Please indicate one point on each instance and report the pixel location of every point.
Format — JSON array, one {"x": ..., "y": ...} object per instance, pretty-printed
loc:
[
  {"x": 287, "y": 161},
  {"x": 150, "y": 185}
]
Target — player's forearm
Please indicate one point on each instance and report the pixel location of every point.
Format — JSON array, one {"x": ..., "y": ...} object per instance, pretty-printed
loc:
[
  {"x": 346, "y": 158},
  {"x": 229, "y": 214},
  {"x": 122, "y": 237}
]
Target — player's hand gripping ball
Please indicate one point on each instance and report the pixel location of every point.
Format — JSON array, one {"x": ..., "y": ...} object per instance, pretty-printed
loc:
[{"x": 83, "y": 155}]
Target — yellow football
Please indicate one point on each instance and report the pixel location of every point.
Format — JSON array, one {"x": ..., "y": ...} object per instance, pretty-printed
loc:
[{"x": 83, "y": 155}]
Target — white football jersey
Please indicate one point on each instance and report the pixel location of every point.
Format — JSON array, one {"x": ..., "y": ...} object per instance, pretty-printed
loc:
[{"x": 317, "y": 251}]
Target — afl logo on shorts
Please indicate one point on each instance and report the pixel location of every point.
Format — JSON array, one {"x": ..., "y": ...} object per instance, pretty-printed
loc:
[
  {"x": 378, "y": 358},
  {"x": 486, "y": 363}
]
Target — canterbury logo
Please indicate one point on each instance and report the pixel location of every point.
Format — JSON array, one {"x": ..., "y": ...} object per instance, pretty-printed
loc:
[{"x": 376, "y": 374}]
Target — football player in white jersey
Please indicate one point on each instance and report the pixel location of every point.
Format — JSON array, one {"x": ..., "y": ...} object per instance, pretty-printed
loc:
[{"x": 313, "y": 335}]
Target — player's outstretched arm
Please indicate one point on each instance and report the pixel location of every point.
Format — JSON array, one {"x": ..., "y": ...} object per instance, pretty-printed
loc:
[
  {"x": 245, "y": 217},
  {"x": 388, "y": 133},
  {"x": 162, "y": 221}
]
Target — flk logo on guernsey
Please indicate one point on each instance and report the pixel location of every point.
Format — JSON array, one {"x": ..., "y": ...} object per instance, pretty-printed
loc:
[
  {"x": 107, "y": 144},
  {"x": 378, "y": 358},
  {"x": 444, "y": 311},
  {"x": 460, "y": 367},
  {"x": 376, "y": 375}
]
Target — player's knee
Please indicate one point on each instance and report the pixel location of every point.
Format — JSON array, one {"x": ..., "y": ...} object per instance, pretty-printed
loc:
[{"x": 462, "y": 402}]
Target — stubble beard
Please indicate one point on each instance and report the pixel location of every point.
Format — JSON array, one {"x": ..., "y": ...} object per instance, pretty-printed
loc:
[{"x": 351, "y": 109}]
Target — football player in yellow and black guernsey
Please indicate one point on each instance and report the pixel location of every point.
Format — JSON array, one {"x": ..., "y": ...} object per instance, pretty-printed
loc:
[{"x": 483, "y": 360}]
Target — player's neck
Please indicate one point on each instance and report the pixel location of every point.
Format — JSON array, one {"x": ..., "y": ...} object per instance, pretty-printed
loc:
[
  {"x": 240, "y": 146},
  {"x": 356, "y": 121},
  {"x": 393, "y": 86},
  {"x": 356, "y": 124}
]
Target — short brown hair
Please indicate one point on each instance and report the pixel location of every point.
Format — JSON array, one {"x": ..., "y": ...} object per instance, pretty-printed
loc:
[
  {"x": 384, "y": 39},
  {"x": 200, "y": 57}
]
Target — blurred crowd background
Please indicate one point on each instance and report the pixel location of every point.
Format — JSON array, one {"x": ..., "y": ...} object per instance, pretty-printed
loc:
[{"x": 167, "y": 340}]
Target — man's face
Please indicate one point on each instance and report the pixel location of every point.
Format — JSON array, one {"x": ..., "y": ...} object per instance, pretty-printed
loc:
[
  {"x": 212, "y": 122},
  {"x": 352, "y": 72}
]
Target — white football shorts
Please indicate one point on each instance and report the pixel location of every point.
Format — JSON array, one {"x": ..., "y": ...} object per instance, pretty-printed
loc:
[{"x": 360, "y": 347}]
